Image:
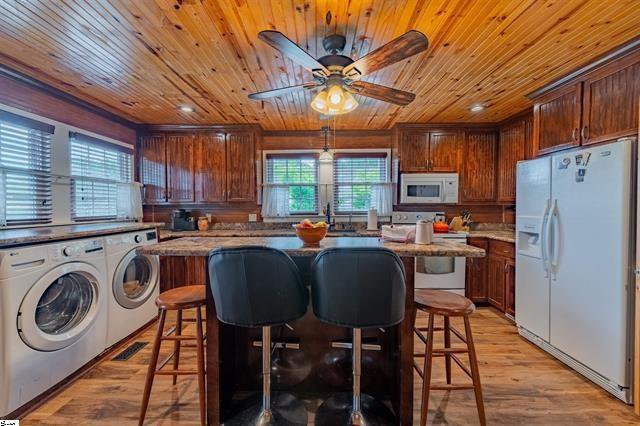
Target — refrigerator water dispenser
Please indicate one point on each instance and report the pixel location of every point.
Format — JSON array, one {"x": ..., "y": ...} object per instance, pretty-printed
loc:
[{"x": 528, "y": 236}]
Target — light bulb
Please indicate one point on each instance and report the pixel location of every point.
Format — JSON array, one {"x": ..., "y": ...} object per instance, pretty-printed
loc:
[
  {"x": 319, "y": 103},
  {"x": 336, "y": 96},
  {"x": 349, "y": 102}
]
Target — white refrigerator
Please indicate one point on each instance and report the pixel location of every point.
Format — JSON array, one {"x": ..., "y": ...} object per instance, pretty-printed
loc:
[{"x": 575, "y": 261}]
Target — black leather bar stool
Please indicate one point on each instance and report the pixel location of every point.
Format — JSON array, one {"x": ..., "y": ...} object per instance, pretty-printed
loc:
[
  {"x": 260, "y": 287},
  {"x": 357, "y": 288}
]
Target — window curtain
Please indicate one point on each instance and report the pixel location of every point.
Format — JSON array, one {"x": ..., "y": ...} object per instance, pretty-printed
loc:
[
  {"x": 275, "y": 200},
  {"x": 129, "y": 201},
  {"x": 3, "y": 200},
  {"x": 382, "y": 198}
]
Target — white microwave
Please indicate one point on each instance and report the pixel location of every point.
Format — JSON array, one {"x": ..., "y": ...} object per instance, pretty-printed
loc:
[{"x": 429, "y": 188}]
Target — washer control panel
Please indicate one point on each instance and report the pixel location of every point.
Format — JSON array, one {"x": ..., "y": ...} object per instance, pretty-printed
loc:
[{"x": 73, "y": 249}]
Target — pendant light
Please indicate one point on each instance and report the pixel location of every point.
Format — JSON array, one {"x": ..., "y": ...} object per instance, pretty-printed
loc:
[{"x": 326, "y": 156}]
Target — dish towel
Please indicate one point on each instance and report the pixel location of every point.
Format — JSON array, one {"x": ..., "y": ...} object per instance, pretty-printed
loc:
[{"x": 398, "y": 233}]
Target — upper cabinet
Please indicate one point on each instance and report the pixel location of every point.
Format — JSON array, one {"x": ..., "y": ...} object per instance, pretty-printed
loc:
[
  {"x": 206, "y": 166},
  {"x": 480, "y": 153},
  {"x": 596, "y": 106},
  {"x": 514, "y": 141},
  {"x": 424, "y": 150}
]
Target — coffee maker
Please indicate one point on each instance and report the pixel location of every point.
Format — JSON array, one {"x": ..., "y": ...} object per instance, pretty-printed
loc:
[{"x": 182, "y": 220}]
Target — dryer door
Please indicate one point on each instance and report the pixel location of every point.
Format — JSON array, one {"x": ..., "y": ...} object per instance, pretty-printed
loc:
[
  {"x": 135, "y": 279},
  {"x": 60, "y": 307}
]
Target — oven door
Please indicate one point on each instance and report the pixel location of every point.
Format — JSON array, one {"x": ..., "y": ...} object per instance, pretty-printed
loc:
[
  {"x": 441, "y": 273},
  {"x": 422, "y": 190}
]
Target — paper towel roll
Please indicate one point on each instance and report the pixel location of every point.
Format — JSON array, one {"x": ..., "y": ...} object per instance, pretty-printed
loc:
[{"x": 372, "y": 220}]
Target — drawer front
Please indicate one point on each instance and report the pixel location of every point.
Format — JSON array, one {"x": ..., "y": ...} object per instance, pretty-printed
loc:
[{"x": 501, "y": 248}]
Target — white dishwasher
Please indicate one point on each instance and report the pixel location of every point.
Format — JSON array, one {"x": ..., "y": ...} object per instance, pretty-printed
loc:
[{"x": 437, "y": 272}]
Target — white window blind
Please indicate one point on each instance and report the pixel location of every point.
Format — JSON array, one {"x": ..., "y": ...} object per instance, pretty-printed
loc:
[
  {"x": 25, "y": 170},
  {"x": 98, "y": 168},
  {"x": 291, "y": 185},
  {"x": 360, "y": 182}
]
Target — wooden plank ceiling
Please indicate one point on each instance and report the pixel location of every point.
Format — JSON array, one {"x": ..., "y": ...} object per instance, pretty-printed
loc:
[{"x": 141, "y": 59}]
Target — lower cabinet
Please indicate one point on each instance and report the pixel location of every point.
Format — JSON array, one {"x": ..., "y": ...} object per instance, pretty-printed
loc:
[{"x": 492, "y": 279}]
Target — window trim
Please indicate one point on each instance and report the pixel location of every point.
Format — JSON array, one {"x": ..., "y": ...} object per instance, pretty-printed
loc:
[
  {"x": 359, "y": 154},
  {"x": 325, "y": 179},
  {"x": 306, "y": 154}
]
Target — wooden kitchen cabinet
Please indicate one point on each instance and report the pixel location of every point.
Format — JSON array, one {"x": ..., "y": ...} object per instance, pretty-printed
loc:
[
  {"x": 152, "y": 168},
  {"x": 478, "y": 180},
  {"x": 180, "y": 167},
  {"x": 514, "y": 139},
  {"x": 610, "y": 102},
  {"x": 476, "y": 273},
  {"x": 429, "y": 151},
  {"x": 496, "y": 280},
  {"x": 241, "y": 178},
  {"x": 211, "y": 167},
  {"x": 556, "y": 120},
  {"x": 510, "y": 287},
  {"x": 599, "y": 104}
]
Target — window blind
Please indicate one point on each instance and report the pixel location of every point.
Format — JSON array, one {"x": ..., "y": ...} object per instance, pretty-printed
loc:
[
  {"x": 97, "y": 168},
  {"x": 293, "y": 180},
  {"x": 25, "y": 170},
  {"x": 354, "y": 176}
]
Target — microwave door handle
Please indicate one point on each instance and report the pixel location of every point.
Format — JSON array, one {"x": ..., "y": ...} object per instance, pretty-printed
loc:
[{"x": 442, "y": 187}]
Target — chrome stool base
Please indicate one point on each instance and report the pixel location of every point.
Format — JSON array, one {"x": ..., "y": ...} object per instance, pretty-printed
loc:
[
  {"x": 285, "y": 410},
  {"x": 337, "y": 410}
]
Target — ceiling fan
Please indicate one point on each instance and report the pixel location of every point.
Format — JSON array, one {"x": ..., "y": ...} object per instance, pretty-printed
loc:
[{"x": 339, "y": 75}]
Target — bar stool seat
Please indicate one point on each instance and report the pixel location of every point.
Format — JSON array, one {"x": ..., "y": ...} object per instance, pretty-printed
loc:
[
  {"x": 443, "y": 303},
  {"x": 177, "y": 299},
  {"x": 186, "y": 297}
]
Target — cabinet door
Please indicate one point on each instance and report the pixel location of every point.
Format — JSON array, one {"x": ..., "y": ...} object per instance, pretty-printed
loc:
[
  {"x": 180, "y": 167},
  {"x": 241, "y": 180},
  {"x": 495, "y": 281},
  {"x": 443, "y": 152},
  {"x": 610, "y": 104},
  {"x": 153, "y": 166},
  {"x": 211, "y": 167},
  {"x": 556, "y": 120},
  {"x": 479, "y": 170},
  {"x": 476, "y": 273},
  {"x": 510, "y": 287},
  {"x": 511, "y": 149},
  {"x": 414, "y": 151}
]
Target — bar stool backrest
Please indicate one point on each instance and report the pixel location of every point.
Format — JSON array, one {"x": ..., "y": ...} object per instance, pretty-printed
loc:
[
  {"x": 256, "y": 286},
  {"x": 358, "y": 287}
]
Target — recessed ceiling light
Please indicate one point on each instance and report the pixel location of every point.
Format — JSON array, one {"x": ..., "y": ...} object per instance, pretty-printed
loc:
[
  {"x": 476, "y": 107},
  {"x": 186, "y": 108}
]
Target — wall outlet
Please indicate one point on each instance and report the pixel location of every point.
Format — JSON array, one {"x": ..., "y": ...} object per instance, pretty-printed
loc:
[{"x": 253, "y": 217}]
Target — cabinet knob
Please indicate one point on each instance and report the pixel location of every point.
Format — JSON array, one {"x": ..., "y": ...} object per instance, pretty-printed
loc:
[
  {"x": 574, "y": 134},
  {"x": 585, "y": 133}
]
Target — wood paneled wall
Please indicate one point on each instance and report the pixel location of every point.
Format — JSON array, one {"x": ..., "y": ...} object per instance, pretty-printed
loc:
[
  {"x": 23, "y": 96},
  {"x": 354, "y": 139},
  {"x": 221, "y": 212}
]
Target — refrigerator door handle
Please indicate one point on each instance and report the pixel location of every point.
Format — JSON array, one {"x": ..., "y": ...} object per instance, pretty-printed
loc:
[
  {"x": 553, "y": 224},
  {"x": 543, "y": 238}
]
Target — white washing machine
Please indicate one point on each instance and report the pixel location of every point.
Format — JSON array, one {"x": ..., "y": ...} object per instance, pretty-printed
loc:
[
  {"x": 133, "y": 283},
  {"x": 53, "y": 315}
]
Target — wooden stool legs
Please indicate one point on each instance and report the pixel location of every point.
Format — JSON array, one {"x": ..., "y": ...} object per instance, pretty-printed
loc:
[
  {"x": 449, "y": 354},
  {"x": 177, "y": 337}
]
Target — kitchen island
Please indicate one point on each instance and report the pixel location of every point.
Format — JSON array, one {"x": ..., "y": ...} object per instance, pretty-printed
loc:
[{"x": 316, "y": 369}]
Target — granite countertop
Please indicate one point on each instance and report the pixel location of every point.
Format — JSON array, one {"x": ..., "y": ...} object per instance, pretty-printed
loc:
[
  {"x": 499, "y": 235},
  {"x": 202, "y": 246},
  {"x": 44, "y": 234},
  {"x": 164, "y": 234}
]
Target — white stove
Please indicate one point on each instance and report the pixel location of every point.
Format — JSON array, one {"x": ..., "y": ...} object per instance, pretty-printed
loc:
[{"x": 436, "y": 272}]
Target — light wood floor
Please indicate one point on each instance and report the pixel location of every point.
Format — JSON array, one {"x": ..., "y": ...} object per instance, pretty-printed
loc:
[{"x": 521, "y": 385}]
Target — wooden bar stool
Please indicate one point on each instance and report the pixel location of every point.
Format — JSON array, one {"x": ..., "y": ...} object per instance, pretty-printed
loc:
[
  {"x": 177, "y": 299},
  {"x": 446, "y": 304}
]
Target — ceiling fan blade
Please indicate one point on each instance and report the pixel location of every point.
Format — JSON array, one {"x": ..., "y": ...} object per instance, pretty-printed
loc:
[
  {"x": 398, "y": 49},
  {"x": 281, "y": 91},
  {"x": 382, "y": 93},
  {"x": 280, "y": 42}
]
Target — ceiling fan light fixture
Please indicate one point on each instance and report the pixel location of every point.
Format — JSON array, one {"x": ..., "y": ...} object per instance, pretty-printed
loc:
[
  {"x": 350, "y": 102},
  {"x": 336, "y": 96}
]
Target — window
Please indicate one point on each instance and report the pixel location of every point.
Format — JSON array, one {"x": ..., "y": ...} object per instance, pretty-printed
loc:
[
  {"x": 291, "y": 185},
  {"x": 98, "y": 169},
  {"x": 360, "y": 182},
  {"x": 25, "y": 170}
]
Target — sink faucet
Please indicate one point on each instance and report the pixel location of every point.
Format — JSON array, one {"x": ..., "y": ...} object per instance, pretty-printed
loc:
[{"x": 328, "y": 215}]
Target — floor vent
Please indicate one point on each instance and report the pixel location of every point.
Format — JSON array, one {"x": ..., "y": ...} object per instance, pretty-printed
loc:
[{"x": 131, "y": 350}]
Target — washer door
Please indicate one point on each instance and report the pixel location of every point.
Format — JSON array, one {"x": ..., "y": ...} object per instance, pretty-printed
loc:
[
  {"x": 60, "y": 307},
  {"x": 135, "y": 279}
]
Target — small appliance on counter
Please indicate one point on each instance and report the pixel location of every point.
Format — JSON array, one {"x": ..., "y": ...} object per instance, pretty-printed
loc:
[
  {"x": 424, "y": 232},
  {"x": 182, "y": 220}
]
